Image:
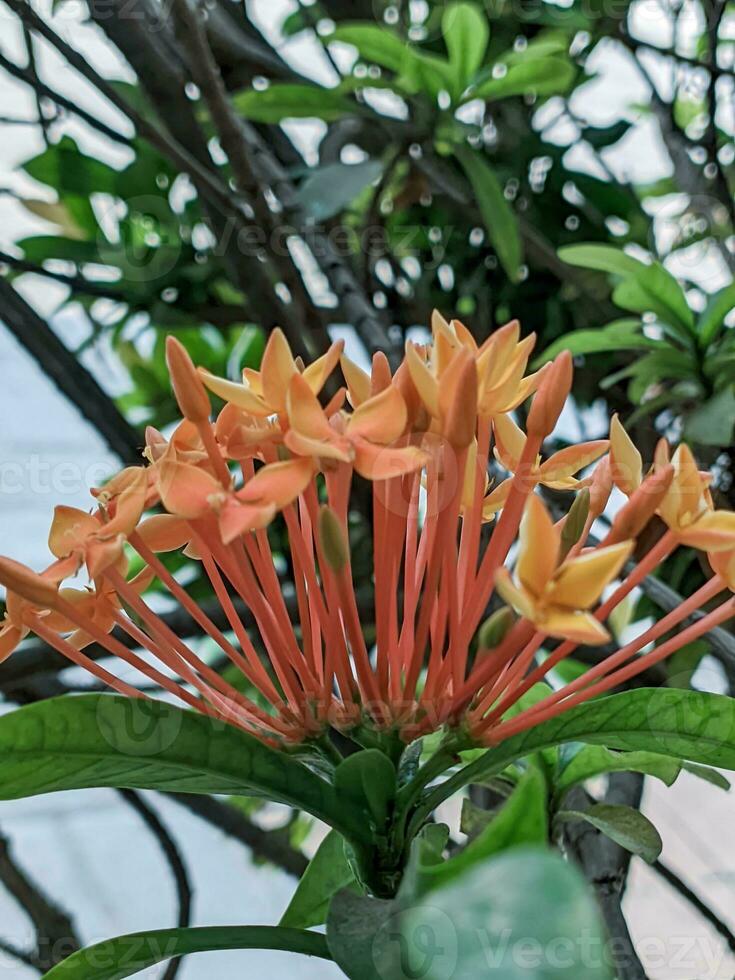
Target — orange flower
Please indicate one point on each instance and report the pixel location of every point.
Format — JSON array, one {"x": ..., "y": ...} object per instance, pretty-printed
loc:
[{"x": 556, "y": 596}]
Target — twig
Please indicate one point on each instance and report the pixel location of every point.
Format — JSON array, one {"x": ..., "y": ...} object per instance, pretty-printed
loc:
[
  {"x": 55, "y": 934},
  {"x": 235, "y": 824},
  {"x": 694, "y": 900},
  {"x": 70, "y": 377},
  {"x": 173, "y": 856},
  {"x": 605, "y": 865}
]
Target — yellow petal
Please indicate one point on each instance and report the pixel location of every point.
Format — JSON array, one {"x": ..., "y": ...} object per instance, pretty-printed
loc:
[
  {"x": 317, "y": 372},
  {"x": 577, "y": 627},
  {"x": 510, "y": 442},
  {"x": 513, "y": 596},
  {"x": 571, "y": 460},
  {"x": 305, "y": 414},
  {"x": 276, "y": 370},
  {"x": 463, "y": 335},
  {"x": 496, "y": 500},
  {"x": 625, "y": 460},
  {"x": 424, "y": 381},
  {"x": 538, "y": 547},
  {"x": 713, "y": 531},
  {"x": 686, "y": 497},
  {"x": 580, "y": 581},
  {"x": 235, "y": 394},
  {"x": 381, "y": 418},
  {"x": 358, "y": 381}
]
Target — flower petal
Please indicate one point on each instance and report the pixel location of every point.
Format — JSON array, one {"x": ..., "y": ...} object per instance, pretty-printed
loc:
[
  {"x": 277, "y": 368},
  {"x": 278, "y": 484},
  {"x": 538, "y": 547},
  {"x": 515, "y": 597},
  {"x": 235, "y": 394},
  {"x": 165, "y": 532},
  {"x": 713, "y": 531},
  {"x": 567, "y": 462},
  {"x": 70, "y": 530},
  {"x": 383, "y": 462},
  {"x": 577, "y": 627},
  {"x": 510, "y": 442},
  {"x": 236, "y": 519},
  {"x": 625, "y": 460},
  {"x": 358, "y": 381},
  {"x": 187, "y": 491},
  {"x": 317, "y": 373},
  {"x": 424, "y": 381},
  {"x": 580, "y": 581},
  {"x": 381, "y": 418}
]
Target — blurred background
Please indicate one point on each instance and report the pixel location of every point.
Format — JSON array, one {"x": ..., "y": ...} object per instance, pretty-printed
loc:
[{"x": 374, "y": 189}]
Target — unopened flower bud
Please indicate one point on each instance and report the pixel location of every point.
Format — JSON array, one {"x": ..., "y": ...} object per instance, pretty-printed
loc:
[
  {"x": 493, "y": 631},
  {"x": 575, "y": 522},
  {"x": 380, "y": 376},
  {"x": 600, "y": 487},
  {"x": 549, "y": 400},
  {"x": 188, "y": 388},
  {"x": 641, "y": 506},
  {"x": 458, "y": 400},
  {"x": 26, "y": 583},
  {"x": 332, "y": 540}
]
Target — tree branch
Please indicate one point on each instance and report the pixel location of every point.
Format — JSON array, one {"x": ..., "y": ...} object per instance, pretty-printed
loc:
[{"x": 671, "y": 878}]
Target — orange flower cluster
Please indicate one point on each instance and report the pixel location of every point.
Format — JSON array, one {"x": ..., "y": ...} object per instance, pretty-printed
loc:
[{"x": 287, "y": 447}]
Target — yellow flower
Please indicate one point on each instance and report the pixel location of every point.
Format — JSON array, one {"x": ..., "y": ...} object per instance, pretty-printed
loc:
[{"x": 556, "y": 596}]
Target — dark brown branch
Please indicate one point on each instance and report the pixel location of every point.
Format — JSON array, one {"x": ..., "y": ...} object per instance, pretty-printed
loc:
[
  {"x": 671, "y": 878},
  {"x": 605, "y": 865},
  {"x": 70, "y": 377},
  {"x": 55, "y": 934},
  {"x": 265, "y": 844},
  {"x": 175, "y": 862}
]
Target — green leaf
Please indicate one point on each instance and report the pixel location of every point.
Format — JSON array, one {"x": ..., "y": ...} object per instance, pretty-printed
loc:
[
  {"x": 426, "y": 854},
  {"x": 368, "y": 779},
  {"x": 466, "y": 34},
  {"x": 712, "y": 319},
  {"x": 360, "y": 932},
  {"x": 708, "y": 774},
  {"x": 601, "y": 137},
  {"x": 618, "y": 335},
  {"x": 65, "y": 168},
  {"x": 327, "y": 190},
  {"x": 497, "y": 214},
  {"x": 126, "y": 955},
  {"x": 474, "y": 926},
  {"x": 545, "y": 76},
  {"x": 712, "y": 423},
  {"x": 292, "y": 101},
  {"x": 627, "y": 827},
  {"x": 328, "y": 872},
  {"x": 646, "y": 286},
  {"x": 692, "y": 725},
  {"x": 594, "y": 760},
  {"x": 92, "y": 740},
  {"x": 522, "y": 820},
  {"x": 374, "y": 44}
]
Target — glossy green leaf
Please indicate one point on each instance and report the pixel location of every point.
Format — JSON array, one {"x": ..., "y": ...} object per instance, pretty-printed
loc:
[
  {"x": 627, "y": 827},
  {"x": 368, "y": 780},
  {"x": 360, "y": 933},
  {"x": 475, "y": 925},
  {"x": 374, "y": 44},
  {"x": 123, "y": 956},
  {"x": 708, "y": 774},
  {"x": 426, "y": 855},
  {"x": 618, "y": 335},
  {"x": 328, "y": 872},
  {"x": 595, "y": 760},
  {"x": 601, "y": 137},
  {"x": 712, "y": 423},
  {"x": 65, "y": 168},
  {"x": 107, "y": 740},
  {"x": 291, "y": 101},
  {"x": 692, "y": 725},
  {"x": 711, "y": 321},
  {"x": 466, "y": 34},
  {"x": 522, "y": 820},
  {"x": 327, "y": 190},
  {"x": 545, "y": 76},
  {"x": 646, "y": 286},
  {"x": 497, "y": 213}
]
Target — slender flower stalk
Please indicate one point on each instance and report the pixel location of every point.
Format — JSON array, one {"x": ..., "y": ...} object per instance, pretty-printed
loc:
[{"x": 459, "y": 523}]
